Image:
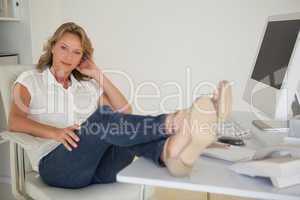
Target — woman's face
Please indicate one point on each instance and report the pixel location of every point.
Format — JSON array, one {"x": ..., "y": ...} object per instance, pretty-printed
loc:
[{"x": 67, "y": 53}]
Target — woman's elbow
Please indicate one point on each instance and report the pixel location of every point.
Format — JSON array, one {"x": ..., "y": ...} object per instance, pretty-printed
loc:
[
  {"x": 11, "y": 124},
  {"x": 128, "y": 109},
  {"x": 13, "y": 121}
]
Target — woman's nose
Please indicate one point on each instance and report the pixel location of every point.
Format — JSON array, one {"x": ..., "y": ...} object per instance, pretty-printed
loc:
[{"x": 68, "y": 56}]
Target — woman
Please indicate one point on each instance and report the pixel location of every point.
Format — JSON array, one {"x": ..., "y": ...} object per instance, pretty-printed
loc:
[{"x": 67, "y": 89}]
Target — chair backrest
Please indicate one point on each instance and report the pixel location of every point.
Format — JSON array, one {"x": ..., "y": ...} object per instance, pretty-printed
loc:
[{"x": 8, "y": 75}]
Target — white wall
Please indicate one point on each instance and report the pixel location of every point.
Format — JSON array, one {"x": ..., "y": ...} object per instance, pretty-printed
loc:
[
  {"x": 45, "y": 18},
  {"x": 15, "y": 36},
  {"x": 157, "y": 40}
]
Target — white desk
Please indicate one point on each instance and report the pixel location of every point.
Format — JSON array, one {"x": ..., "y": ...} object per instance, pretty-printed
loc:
[{"x": 211, "y": 175}]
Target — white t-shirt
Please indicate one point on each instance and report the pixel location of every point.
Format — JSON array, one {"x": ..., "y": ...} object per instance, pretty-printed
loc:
[{"x": 54, "y": 105}]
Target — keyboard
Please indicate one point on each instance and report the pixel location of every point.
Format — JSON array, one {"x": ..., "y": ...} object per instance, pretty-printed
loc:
[{"x": 232, "y": 128}]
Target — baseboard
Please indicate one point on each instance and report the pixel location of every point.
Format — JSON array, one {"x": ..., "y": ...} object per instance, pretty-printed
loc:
[{"x": 5, "y": 179}]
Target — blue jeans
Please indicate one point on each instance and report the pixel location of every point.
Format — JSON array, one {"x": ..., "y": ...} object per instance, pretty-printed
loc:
[{"x": 109, "y": 141}]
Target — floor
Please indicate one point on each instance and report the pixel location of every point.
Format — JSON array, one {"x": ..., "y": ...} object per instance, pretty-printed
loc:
[
  {"x": 173, "y": 194},
  {"x": 152, "y": 194},
  {"x": 5, "y": 192}
]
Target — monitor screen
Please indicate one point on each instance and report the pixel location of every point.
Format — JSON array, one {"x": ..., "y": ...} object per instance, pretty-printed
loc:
[{"x": 275, "y": 52}]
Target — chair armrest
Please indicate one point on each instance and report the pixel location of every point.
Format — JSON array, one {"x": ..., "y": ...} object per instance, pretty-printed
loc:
[{"x": 25, "y": 140}]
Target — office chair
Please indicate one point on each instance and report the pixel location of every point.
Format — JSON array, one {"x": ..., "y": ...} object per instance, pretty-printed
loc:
[{"x": 26, "y": 183}]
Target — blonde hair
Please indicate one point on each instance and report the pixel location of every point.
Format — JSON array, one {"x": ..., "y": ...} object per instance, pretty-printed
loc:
[{"x": 45, "y": 59}]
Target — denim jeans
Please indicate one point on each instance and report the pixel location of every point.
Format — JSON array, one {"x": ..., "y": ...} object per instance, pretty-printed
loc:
[{"x": 109, "y": 141}]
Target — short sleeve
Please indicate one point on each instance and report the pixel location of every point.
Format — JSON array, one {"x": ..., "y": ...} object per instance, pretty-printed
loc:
[{"x": 26, "y": 79}]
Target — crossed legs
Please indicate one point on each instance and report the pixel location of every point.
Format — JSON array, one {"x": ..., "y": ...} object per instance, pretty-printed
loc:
[
  {"x": 188, "y": 132},
  {"x": 194, "y": 130}
]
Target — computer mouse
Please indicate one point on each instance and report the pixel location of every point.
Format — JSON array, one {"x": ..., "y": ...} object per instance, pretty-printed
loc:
[{"x": 231, "y": 140}]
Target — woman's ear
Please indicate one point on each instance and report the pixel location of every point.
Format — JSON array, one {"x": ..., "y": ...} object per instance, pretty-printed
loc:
[
  {"x": 82, "y": 61},
  {"x": 52, "y": 49},
  {"x": 84, "y": 57}
]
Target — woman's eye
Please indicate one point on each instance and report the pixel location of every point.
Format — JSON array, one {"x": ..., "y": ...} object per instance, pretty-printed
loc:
[
  {"x": 63, "y": 47},
  {"x": 77, "y": 53}
]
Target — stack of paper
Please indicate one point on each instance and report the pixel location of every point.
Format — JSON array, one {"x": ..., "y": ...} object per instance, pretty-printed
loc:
[
  {"x": 283, "y": 171},
  {"x": 281, "y": 163}
]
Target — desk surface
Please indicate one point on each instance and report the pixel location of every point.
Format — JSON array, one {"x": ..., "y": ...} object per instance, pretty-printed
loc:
[{"x": 209, "y": 175}]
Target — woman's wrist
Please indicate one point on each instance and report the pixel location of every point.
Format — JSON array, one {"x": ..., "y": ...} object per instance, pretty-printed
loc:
[{"x": 52, "y": 133}]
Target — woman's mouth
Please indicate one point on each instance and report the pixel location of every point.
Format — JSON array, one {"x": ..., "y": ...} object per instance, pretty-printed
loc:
[{"x": 66, "y": 64}]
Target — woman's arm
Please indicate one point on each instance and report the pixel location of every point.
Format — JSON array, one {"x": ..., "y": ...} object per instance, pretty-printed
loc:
[
  {"x": 103, "y": 100},
  {"x": 19, "y": 122},
  {"x": 111, "y": 93}
]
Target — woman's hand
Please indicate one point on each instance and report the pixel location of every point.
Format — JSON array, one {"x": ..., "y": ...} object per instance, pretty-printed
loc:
[
  {"x": 67, "y": 137},
  {"x": 89, "y": 68}
]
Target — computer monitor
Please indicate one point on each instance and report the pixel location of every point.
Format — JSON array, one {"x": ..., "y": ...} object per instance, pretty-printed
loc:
[{"x": 273, "y": 81}]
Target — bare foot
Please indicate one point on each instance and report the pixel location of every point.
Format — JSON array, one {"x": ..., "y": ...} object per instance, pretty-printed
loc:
[
  {"x": 203, "y": 118},
  {"x": 181, "y": 137},
  {"x": 196, "y": 133},
  {"x": 175, "y": 120},
  {"x": 222, "y": 100}
]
